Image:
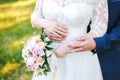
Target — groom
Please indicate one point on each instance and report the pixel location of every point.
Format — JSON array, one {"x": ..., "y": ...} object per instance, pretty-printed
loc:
[{"x": 108, "y": 46}]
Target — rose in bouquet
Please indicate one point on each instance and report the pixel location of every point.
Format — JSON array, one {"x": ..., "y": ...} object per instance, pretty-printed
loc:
[{"x": 34, "y": 53}]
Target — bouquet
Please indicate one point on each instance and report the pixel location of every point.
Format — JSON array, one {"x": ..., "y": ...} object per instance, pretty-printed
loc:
[{"x": 35, "y": 53}]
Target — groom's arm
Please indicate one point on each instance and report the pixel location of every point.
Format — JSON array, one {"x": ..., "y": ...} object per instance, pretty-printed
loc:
[{"x": 108, "y": 41}]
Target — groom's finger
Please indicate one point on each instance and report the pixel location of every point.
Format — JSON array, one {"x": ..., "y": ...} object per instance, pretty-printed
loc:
[
  {"x": 76, "y": 50},
  {"x": 74, "y": 46},
  {"x": 81, "y": 39}
]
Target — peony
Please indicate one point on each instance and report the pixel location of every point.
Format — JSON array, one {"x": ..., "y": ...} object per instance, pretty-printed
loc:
[{"x": 41, "y": 45}]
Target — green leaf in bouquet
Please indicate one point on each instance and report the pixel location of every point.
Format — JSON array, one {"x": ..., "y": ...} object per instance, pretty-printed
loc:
[
  {"x": 30, "y": 53},
  {"x": 47, "y": 68},
  {"x": 43, "y": 57},
  {"x": 39, "y": 73},
  {"x": 49, "y": 42},
  {"x": 45, "y": 72},
  {"x": 49, "y": 48},
  {"x": 43, "y": 36},
  {"x": 27, "y": 70},
  {"x": 46, "y": 65}
]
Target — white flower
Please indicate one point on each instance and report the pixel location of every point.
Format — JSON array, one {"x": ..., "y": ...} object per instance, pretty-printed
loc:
[
  {"x": 36, "y": 66},
  {"x": 41, "y": 52},
  {"x": 31, "y": 44},
  {"x": 30, "y": 61}
]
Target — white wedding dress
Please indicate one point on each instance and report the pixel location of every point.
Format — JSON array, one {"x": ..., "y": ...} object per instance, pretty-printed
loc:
[{"x": 76, "y": 16}]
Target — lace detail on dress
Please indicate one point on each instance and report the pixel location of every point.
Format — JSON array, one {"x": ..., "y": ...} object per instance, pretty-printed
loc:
[
  {"x": 38, "y": 7},
  {"x": 66, "y": 2},
  {"x": 100, "y": 18}
]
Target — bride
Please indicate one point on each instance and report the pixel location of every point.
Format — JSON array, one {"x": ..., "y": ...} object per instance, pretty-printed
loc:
[{"x": 66, "y": 20}]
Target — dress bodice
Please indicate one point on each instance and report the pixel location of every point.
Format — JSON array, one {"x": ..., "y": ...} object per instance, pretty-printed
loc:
[
  {"x": 71, "y": 14},
  {"x": 75, "y": 15}
]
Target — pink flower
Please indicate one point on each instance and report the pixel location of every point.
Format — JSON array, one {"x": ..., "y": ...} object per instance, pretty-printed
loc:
[
  {"x": 41, "y": 45},
  {"x": 35, "y": 58},
  {"x": 34, "y": 52},
  {"x": 31, "y": 67}
]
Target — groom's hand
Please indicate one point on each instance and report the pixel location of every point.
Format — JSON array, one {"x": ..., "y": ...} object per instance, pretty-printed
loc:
[{"x": 82, "y": 44}]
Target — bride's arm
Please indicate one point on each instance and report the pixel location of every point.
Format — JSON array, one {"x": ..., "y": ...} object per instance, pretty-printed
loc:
[
  {"x": 53, "y": 29},
  {"x": 37, "y": 19},
  {"x": 99, "y": 20}
]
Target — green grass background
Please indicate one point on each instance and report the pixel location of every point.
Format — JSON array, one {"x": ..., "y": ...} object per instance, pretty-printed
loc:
[{"x": 15, "y": 28}]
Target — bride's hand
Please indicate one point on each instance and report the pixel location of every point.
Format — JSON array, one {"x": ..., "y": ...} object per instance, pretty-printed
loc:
[
  {"x": 55, "y": 31},
  {"x": 62, "y": 51}
]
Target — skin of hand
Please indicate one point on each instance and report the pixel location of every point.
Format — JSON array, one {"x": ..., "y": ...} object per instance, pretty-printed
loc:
[
  {"x": 84, "y": 43},
  {"x": 55, "y": 31},
  {"x": 62, "y": 51}
]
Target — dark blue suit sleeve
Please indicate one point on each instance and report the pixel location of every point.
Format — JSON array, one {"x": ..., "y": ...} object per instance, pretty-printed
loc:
[{"x": 109, "y": 41}]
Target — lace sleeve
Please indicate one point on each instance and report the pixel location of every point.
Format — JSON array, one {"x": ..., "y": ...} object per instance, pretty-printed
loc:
[
  {"x": 100, "y": 18},
  {"x": 37, "y": 13}
]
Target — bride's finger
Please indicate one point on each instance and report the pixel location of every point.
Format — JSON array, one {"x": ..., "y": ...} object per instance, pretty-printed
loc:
[
  {"x": 58, "y": 39},
  {"x": 62, "y": 29},
  {"x": 61, "y": 33},
  {"x": 62, "y": 26},
  {"x": 56, "y": 34}
]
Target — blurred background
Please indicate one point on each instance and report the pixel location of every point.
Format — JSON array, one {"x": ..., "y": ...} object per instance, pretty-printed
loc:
[{"x": 15, "y": 28}]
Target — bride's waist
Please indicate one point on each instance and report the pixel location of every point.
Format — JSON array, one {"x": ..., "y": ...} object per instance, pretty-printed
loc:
[
  {"x": 69, "y": 38},
  {"x": 75, "y": 34},
  {"x": 72, "y": 37},
  {"x": 76, "y": 29}
]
